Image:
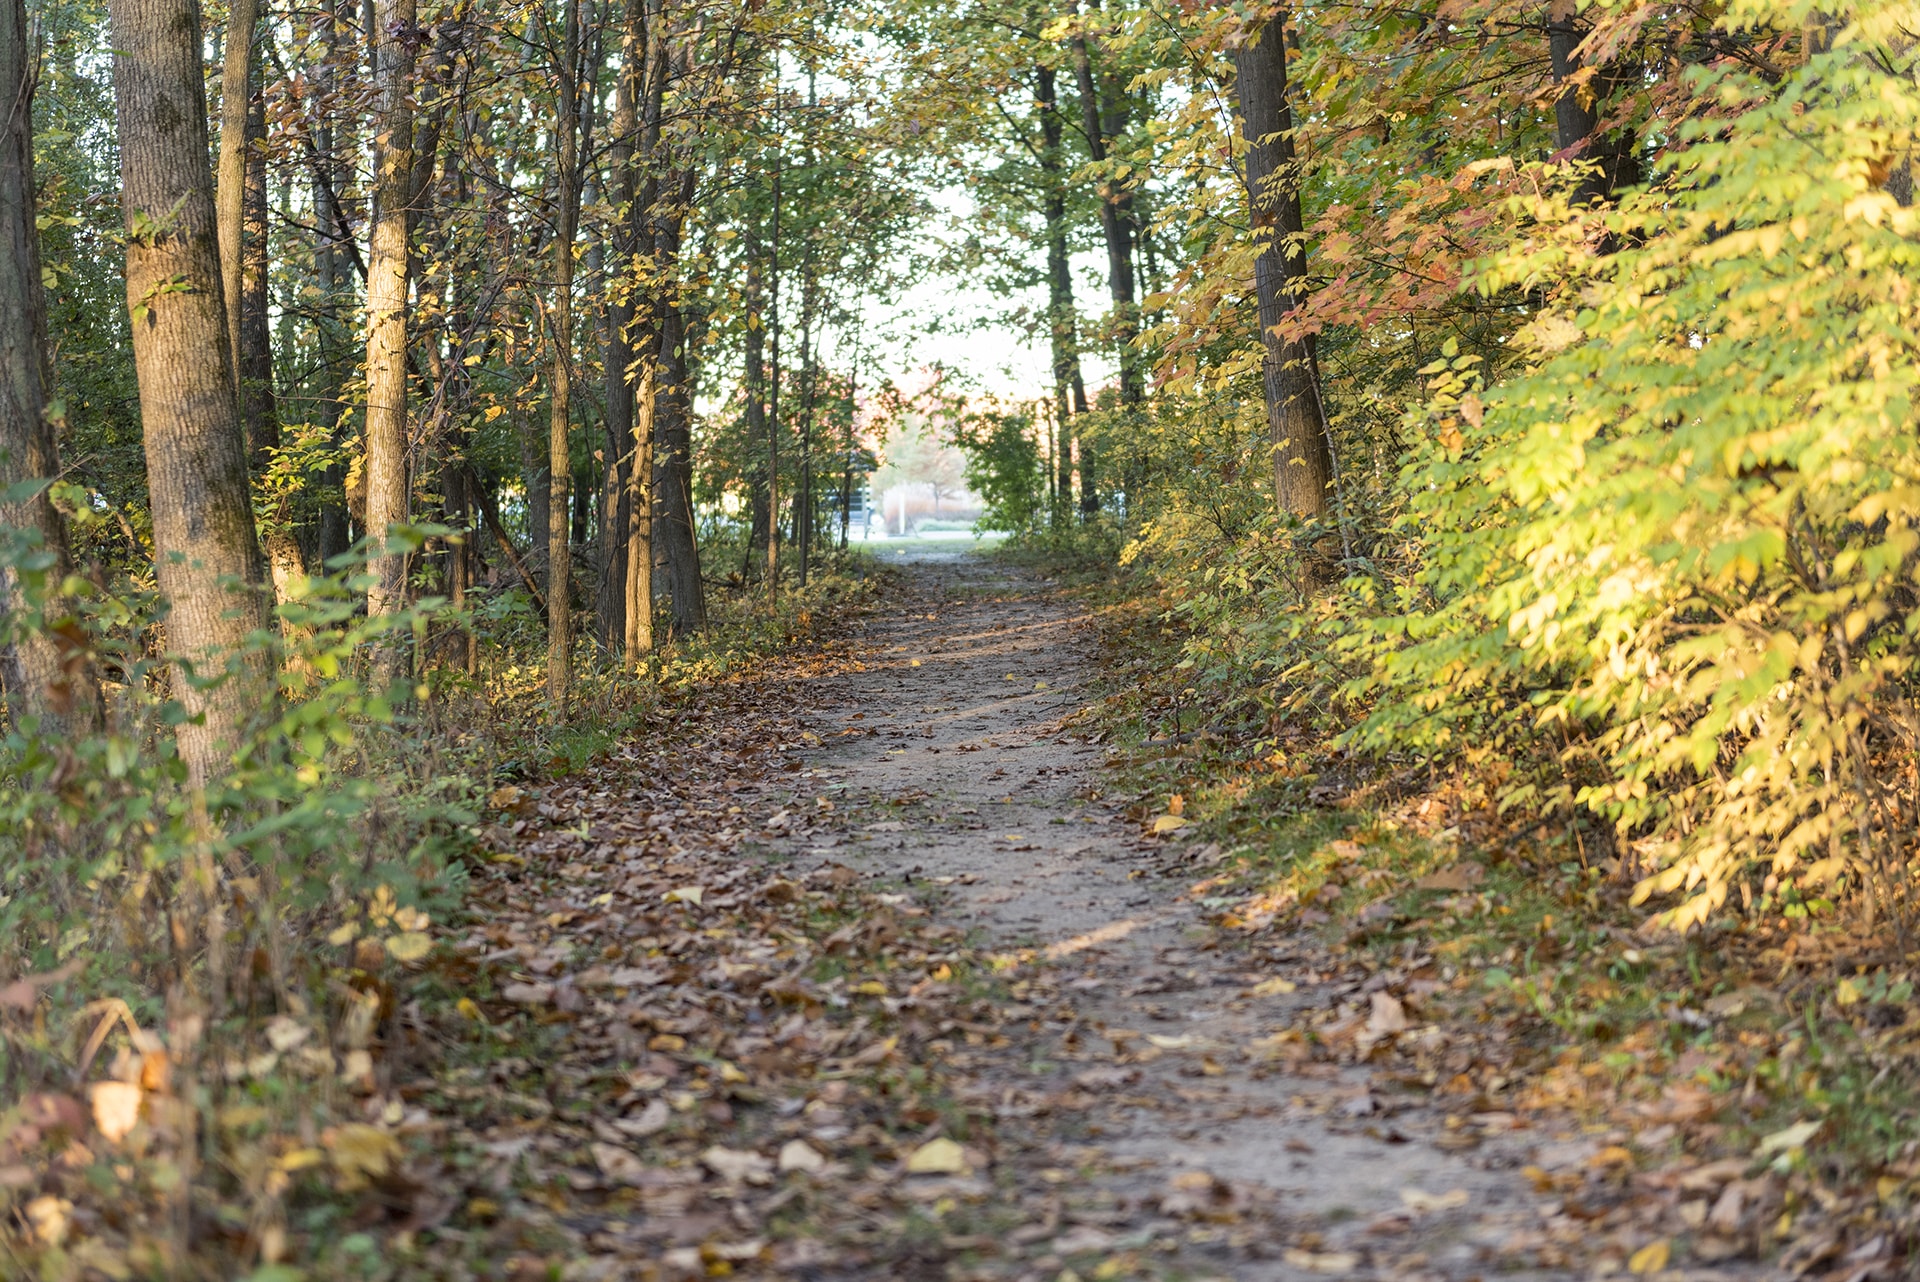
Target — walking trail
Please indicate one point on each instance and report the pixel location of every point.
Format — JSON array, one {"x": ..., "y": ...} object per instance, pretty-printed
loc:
[
  {"x": 1202, "y": 1152},
  {"x": 862, "y": 977}
]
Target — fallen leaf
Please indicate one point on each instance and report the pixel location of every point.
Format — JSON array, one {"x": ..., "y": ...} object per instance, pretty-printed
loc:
[
  {"x": 409, "y": 946},
  {"x": 1420, "y": 1202},
  {"x": 619, "y": 1165},
  {"x": 650, "y": 1120},
  {"x": 285, "y": 1032},
  {"x": 1168, "y": 823},
  {"x": 1650, "y": 1258},
  {"x": 1275, "y": 987},
  {"x": 360, "y": 1152},
  {"x": 1788, "y": 1139},
  {"x": 938, "y": 1157},
  {"x": 1387, "y": 1017},
  {"x": 1330, "y": 1263},
  {"x": 737, "y": 1166},
  {"x": 116, "y": 1108},
  {"x": 686, "y": 894},
  {"x": 528, "y": 994},
  {"x": 798, "y": 1155}
]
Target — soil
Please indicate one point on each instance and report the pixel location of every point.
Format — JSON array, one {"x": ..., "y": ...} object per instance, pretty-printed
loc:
[{"x": 1137, "y": 1078}]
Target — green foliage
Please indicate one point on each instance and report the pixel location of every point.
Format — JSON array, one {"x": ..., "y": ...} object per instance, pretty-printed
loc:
[
  {"x": 1683, "y": 531},
  {"x": 1005, "y": 469}
]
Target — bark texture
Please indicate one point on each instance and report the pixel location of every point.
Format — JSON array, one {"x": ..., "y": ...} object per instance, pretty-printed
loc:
[
  {"x": 389, "y": 268},
  {"x": 612, "y": 594},
  {"x": 560, "y": 409},
  {"x": 44, "y": 673},
  {"x": 1302, "y": 462},
  {"x": 236, "y": 85},
  {"x": 208, "y": 557}
]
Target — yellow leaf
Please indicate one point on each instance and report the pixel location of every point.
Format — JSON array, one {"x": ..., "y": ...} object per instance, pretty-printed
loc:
[
  {"x": 1275, "y": 987},
  {"x": 116, "y": 1108},
  {"x": 360, "y": 1151},
  {"x": 685, "y": 895},
  {"x": 1846, "y": 993},
  {"x": 343, "y": 934},
  {"x": 466, "y": 1006},
  {"x": 409, "y": 946},
  {"x": 1168, "y": 823},
  {"x": 938, "y": 1157},
  {"x": 1650, "y": 1258}
]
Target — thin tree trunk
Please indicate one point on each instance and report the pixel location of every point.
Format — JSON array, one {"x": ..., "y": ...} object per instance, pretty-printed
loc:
[
  {"x": 333, "y": 238},
  {"x": 44, "y": 673},
  {"x": 1576, "y": 116},
  {"x": 1115, "y": 218},
  {"x": 755, "y": 390},
  {"x": 559, "y": 427},
  {"x": 389, "y": 268},
  {"x": 207, "y": 556},
  {"x": 259, "y": 410},
  {"x": 236, "y": 85},
  {"x": 673, "y": 471},
  {"x": 640, "y": 474},
  {"x": 773, "y": 394},
  {"x": 1070, "y": 388},
  {"x": 1302, "y": 462},
  {"x": 620, "y": 315}
]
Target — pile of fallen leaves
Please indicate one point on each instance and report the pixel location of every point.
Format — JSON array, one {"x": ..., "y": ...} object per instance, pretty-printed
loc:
[{"x": 691, "y": 1060}]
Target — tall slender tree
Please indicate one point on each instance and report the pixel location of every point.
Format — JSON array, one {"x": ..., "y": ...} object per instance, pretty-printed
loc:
[
  {"x": 560, "y": 389},
  {"x": 208, "y": 556},
  {"x": 1302, "y": 463},
  {"x": 389, "y": 273},
  {"x": 44, "y": 672}
]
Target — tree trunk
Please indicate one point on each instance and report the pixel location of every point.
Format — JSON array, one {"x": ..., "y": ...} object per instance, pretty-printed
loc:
[
  {"x": 755, "y": 389},
  {"x": 1576, "y": 122},
  {"x": 333, "y": 239},
  {"x": 389, "y": 268},
  {"x": 640, "y": 474},
  {"x": 673, "y": 474},
  {"x": 236, "y": 91},
  {"x": 560, "y": 423},
  {"x": 44, "y": 672},
  {"x": 1069, "y": 387},
  {"x": 620, "y": 315},
  {"x": 208, "y": 561},
  {"x": 259, "y": 411},
  {"x": 1115, "y": 223},
  {"x": 1302, "y": 462}
]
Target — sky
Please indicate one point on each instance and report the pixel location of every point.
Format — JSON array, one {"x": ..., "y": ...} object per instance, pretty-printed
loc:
[{"x": 959, "y": 322}]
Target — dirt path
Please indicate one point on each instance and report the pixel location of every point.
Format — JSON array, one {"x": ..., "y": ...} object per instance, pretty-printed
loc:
[{"x": 1136, "y": 1058}]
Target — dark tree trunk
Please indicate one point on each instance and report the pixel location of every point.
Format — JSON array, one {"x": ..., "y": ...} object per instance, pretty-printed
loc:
[
  {"x": 207, "y": 555},
  {"x": 1115, "y": 221},
  {"x": 1302, "y": 462},
  {"x": 1069, "y": 388},
  {"x": 560, "y": 401},
  {"x": 756, "y": 394},
  {"x": 259, "y": 411},
  {"x": 44, "y": 673},
  {"x": 1576, "y": 117}
]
